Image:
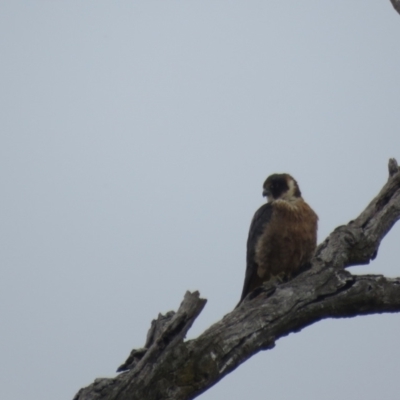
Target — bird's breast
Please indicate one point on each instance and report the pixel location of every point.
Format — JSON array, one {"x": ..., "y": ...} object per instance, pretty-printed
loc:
[{"x": 288, "y": 240}]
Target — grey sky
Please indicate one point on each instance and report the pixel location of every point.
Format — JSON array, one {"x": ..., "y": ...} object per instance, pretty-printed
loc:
[{"x": 135, "y": 138}]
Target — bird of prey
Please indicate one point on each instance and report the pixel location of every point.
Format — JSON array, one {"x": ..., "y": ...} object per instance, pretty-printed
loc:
[{"x": 282, "y": 236}]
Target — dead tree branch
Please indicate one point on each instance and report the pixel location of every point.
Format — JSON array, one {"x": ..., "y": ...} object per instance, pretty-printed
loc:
[
  {"x": 170, "y": 368},
  {"x": 396, "y": 5}
]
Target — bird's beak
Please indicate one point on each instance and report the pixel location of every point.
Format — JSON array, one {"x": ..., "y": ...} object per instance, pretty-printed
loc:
[{"x": 266, "y": 193}]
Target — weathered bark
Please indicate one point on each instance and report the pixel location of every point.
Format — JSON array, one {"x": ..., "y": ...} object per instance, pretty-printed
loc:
[{"x": 170, "y": 368}]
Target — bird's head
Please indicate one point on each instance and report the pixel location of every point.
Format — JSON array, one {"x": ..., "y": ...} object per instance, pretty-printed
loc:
[{"x": 281, "y": 187}]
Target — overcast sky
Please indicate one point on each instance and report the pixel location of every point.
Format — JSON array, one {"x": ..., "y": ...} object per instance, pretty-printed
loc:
[{"x": 135, "y": 138}]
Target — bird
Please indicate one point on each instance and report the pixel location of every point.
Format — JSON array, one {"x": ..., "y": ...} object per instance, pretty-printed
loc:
[{"x": 282, "y": 236}]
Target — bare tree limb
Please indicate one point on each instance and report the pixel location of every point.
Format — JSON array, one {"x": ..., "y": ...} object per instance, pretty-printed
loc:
[
  {"x": 170, "y": 368},
  {"x": 396, "y": 5}
]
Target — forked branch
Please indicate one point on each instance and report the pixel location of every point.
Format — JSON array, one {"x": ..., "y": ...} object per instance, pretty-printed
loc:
[{"x": 168, "y": 367}]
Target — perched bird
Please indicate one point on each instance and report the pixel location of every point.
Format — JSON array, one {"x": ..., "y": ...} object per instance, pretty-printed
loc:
[{"x": 282, "y": 236}]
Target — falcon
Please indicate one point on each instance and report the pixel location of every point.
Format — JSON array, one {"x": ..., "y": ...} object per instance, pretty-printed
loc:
[{"x": 282, "y": 236}]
